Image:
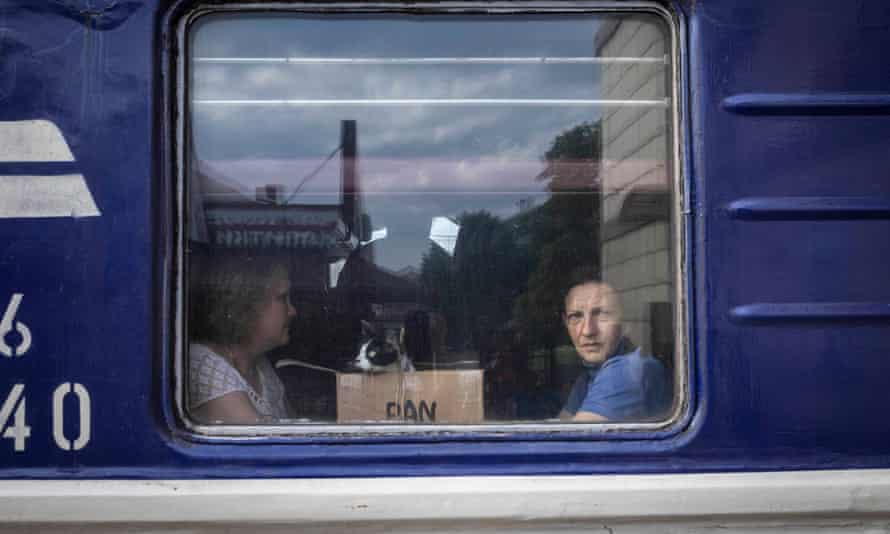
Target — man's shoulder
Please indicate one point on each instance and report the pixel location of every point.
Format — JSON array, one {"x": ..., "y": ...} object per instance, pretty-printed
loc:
[
  {"x": 635, "y": 362},
  {"x": 632, "y": 357},
  {"x": 642, "y": 381}
]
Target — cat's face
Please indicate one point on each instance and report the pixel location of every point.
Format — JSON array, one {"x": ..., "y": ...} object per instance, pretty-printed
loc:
[{"x": 376, "y": 351}]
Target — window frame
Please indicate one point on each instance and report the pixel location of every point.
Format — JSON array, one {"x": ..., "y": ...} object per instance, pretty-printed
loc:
[{"x": 178, "y": 94}]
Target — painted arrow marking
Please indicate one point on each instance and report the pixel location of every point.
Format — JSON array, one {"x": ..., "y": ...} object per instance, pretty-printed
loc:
[{"x": 40, "y": 196}]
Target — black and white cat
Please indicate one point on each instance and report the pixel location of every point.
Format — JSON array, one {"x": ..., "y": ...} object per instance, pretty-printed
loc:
[{"x": 379, "y": 351}]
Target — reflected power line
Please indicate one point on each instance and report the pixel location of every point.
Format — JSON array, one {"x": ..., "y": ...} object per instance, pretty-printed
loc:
[{"x": 312, "y": 174}]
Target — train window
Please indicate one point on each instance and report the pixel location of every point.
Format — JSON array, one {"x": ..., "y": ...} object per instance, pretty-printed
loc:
[{"x": 418, "y": 218}]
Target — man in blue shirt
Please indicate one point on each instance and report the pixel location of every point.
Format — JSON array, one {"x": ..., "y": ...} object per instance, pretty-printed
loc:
[{"x": 619, "y": 383}]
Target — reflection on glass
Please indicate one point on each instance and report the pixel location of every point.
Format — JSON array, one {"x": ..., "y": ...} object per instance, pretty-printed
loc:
[{"x": 473, "y": 214}]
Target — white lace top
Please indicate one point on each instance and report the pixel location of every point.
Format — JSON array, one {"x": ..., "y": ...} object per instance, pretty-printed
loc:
[{"x": 211, "y": 376}]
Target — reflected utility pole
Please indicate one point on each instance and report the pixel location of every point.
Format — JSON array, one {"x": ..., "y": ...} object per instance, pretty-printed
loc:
[{"x": 352, "y": 208}]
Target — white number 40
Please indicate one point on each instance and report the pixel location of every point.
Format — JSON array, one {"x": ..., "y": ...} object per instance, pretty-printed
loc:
[{"x": 19, "y": 431}]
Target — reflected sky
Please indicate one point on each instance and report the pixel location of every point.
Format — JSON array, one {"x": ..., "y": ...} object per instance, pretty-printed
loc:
[
  {"x": 471, "y": 156},
  {"x": 271, "y": 35}
]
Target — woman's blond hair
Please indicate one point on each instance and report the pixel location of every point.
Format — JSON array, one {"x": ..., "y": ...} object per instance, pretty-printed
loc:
[{"x": 224, "y": 292}]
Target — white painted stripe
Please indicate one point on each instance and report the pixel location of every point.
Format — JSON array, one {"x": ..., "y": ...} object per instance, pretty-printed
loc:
[
  {"x": 34, "y": 140},
  {"x": 684, "y": 497},
  {"x": 662, "y": 102},
  {"x": 432, "y": 60},
  {"x": 65, "y": 195}
]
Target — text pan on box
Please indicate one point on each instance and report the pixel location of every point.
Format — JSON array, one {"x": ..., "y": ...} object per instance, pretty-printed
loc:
[{"x": 423, "y": 397}]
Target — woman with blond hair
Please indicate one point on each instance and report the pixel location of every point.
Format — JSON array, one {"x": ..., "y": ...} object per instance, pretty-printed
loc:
[{"x": 239, "y": 309}]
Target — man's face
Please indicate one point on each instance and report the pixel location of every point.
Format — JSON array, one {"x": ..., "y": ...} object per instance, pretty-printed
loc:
[{"x": 593, "y": 319}]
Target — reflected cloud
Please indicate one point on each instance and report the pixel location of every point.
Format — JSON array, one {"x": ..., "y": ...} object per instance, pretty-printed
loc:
[
  {"x": 500, "y": 174},
  {"x": 280, "y": 130},
  {"x": 386, "y": 175},
  {"x": 416, "y": 162}
]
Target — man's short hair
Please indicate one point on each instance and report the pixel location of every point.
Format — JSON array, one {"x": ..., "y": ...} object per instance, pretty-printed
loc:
[{"x": 579, "y": 276}]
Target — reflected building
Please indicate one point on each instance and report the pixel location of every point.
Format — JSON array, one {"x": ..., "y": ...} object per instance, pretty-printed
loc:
[
  {"x": 320, "y": 236},
  {"x": 636, "y": 180}
]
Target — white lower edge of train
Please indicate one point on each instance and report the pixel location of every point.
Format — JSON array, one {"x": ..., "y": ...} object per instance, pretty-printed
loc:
[{"x": 787, "y": 502}]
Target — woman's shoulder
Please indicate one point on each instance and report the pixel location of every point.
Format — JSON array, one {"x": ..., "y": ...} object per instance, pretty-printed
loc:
[
  {"x": 200, "y": 351},
  {"x": 211, "y": 375},
  {"x": 268, "y": 374},
  {"x": 201, "y": 356}
]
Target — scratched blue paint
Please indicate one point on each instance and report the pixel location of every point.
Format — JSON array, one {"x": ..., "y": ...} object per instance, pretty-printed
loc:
[{"x": 765, "y": 394}]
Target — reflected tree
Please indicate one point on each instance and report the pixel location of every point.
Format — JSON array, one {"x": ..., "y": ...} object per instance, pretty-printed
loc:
[
  {"x": 489, "y": 273},
  {"x": 475, "y": 289},
  {"x": 513, "y": 271},
  {"x": 437, "y": 286},
  {"x": 563, "y": 233}
]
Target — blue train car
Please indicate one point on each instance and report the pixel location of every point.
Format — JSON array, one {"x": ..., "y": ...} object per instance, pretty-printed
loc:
[{"x": 444, "y": 266}]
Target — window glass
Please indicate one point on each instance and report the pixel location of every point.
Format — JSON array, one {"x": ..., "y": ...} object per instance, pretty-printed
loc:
[{"x": 429, "y": 219}]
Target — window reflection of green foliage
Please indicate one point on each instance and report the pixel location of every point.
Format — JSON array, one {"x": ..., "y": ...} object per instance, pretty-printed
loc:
[
  {"x": 514, "y": 271},
  {"x": 476, "y": 287},
  {"x": 562, "y": 233},
  {"x": 488, "y": 273},
  {"x": 437, "y": 284}
]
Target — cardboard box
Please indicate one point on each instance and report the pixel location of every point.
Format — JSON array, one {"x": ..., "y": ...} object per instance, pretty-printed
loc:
[{"x": 423, "y": 397}]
